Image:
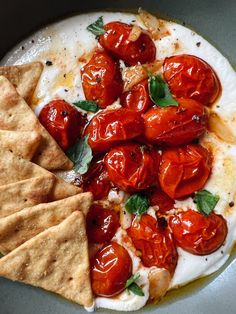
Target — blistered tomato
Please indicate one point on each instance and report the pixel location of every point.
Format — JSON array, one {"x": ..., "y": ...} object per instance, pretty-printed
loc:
[
  {"x": 137, "y": 98},
  {"x": 102, "y": 224},
  {"x": 132, "y": 167},
  {"x": 62, "y": 121},
  {"x": 175, "y": 125},
  {"x": 112, "y": 127},
  {"x": 153, "y": 238},
  {"x": 101, "y": 79},
  {"x": 95, "y": 180},
  {"x": 116, "y": 40},
  {"x": 197, "y": 233},
  {"x": 191, "y": 77},
  {"x": 184, "y": 170},
  {"x": 111, "y": 268}
]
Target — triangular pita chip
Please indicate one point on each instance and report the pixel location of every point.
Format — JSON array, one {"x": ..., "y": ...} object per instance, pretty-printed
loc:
[
  {"x": 23, "y": 144},
  {"x": 55, "y": 260},
  {"x": 24, "y": 77},
  {"x": 25, "y": 193},
  {"x": 14, "y": 168},
  {"x": 16, "y": 115},
  {"x": 24, "y": 225}
]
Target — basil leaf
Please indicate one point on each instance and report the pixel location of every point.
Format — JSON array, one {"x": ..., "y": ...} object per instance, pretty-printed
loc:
[
  {"x": 159, "y": 92},
  {"x": 87, "y": 105},
  {"x": 136, "y": 289},
  {"x": 137, "y": 204},
  {"x": 132, "y": 286},
  {"x": 206, "y": 202},
  {"x": 81, "y": 155},
  {"x": 132, "y": 280},
  {"x": 97, "y": 27}
]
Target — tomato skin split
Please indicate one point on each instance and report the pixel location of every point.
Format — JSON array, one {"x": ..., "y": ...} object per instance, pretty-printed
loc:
[
  {"x": 111, "y": 268},
  {"x": 191, "y": 77},
  {"x": 184, "y": 170},
  {"x": 116, "y": 41},
  {"x": 198, "y": 234},
  {"x": 155, "y": 243}
]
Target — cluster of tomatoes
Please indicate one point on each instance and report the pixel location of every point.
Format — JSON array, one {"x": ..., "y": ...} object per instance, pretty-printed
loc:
[{"x": 142, "y": 147}]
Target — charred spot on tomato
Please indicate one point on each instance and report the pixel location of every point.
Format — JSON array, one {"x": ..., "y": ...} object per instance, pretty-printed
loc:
[
  {"x": 64, "y": 113},
  {"x": 162, "y": 222}
]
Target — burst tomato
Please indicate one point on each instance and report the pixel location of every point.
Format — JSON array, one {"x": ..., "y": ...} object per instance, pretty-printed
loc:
[
  {"x": 116, "y": 40},
  {"x": 175, "y": 125},
  {"x": 160, "y": 198},
  {"x": 102, "y": 224},
  {"x": 137, "y": 98},
  {"x": 112, "y": 127},
  {"x": 132, "y": 167},
  {"x": 191, "y": 77},
  {"x": 111, "y": 268},
  {"x": 101, "y": 79},
  {"x": 197, "y": 233},
  {"x": 62, "y": 121},
  {"x": 95, "y": 180},
  {"x": 155, "y": 242},
  {"x": 184, "y": 170}
]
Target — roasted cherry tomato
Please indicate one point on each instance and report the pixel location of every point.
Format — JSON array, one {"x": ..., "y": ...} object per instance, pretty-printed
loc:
[
  {"x": 137, "y": 98},
  {"x": 112, "y": 127},
  {"x": 154, "y": 240},
  {"x": 175, "y": 125},
  {"x": 101, "y": 79},
  {"x": 160, "y": 198},
  {"x": 191, "y": 77},
  {"x": 197, "y": 233},
  {"x": 132, "y": 167},
  {"x": 111, "y": 268},
  {"x": 184, "y": 170},
  {"x": 95, "y": 180},
  {"x": 102, "y": 224},
  {"x": 116, "y": 40},
  {"x": 62, "y": 121}
]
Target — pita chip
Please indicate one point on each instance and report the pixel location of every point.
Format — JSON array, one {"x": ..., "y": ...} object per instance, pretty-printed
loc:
[
  {"x": 23, "y": 144},
  {"x": 14, "y": 168},
  {"x": 25, "y": 193},
  {"x": 55, "y": 260},
  {"x": 16, "y": 115},
  {"x": 27, "y": 223},
  {"x": 23, "y": 77}
]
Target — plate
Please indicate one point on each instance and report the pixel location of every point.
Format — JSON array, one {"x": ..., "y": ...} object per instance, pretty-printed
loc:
[{"x": 214, "y": 20}]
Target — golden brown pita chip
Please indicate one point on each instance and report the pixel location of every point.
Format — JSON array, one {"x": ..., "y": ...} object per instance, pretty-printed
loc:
[
  {"x": 14, "y": 168},
  {"x": 24, "y": 77},
  {"x": 55, "y": 260},
  {"x": 24, "y": 225},
  {"x": 25, "y": 193},
  {"x": 16, "y": 115},
  {"x": 23, "y": 144}
]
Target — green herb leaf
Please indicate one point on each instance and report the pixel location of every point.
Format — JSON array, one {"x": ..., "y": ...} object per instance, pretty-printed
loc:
[
  {"x": 159, "y": 92},
  {"x": 206, "y": 202},
  {"x": 132, "y": 286},
  {"x": 97, "y": 27},
  {"x": 87, "y": 105},
  {"x": 81, "y": 155},
  {"x": 137, "y": 204},
  {"x": 132, "y": 280}
]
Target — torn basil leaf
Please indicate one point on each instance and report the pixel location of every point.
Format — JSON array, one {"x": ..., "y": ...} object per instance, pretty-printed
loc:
[
  {"x": 97, "y": 28},
  {"x": 81, "y": 155},
  {"x": 206, "y": 201},
  {"x": 87, "y": 105},
  {"x": 137, "y": 204},
  {"x": 159, "y": 92},
  {"x": 132, "y": 286}
]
